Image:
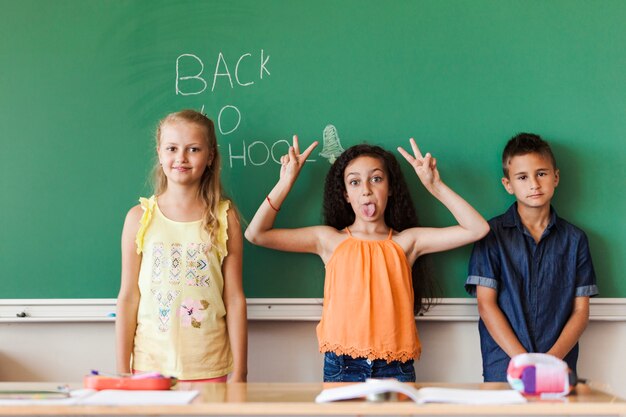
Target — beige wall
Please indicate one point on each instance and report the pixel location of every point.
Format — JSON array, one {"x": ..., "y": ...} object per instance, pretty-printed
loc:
[{"x": 287, "y": 351}]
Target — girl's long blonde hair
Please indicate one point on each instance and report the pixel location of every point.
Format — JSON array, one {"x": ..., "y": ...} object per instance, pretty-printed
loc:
[{"x": 210, "y": 190}]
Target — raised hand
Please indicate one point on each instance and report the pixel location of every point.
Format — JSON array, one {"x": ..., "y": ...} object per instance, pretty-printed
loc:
[
  {"x": 293, "y": 161},
  {"x": 425, "y": 166}
]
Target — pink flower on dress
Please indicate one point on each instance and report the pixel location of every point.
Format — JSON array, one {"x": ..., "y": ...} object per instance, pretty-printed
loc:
[{"x": 192, "y": 312}]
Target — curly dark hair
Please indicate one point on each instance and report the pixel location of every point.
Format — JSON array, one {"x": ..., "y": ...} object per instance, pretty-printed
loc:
[{"x": 399, "y": 214}]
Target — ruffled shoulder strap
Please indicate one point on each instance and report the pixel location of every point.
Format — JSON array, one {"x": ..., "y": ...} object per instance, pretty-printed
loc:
[
  {"x": 148, "y": 205},
  {"x": 222, "y": 232}
]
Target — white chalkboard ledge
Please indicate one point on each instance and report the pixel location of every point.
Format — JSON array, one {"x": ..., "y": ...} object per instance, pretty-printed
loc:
[{"x": 271, "y": 309}]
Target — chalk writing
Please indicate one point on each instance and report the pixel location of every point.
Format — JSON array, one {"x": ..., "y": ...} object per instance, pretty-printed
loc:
[
  {"x": 220, "y": 122},
  {"x": 190, "y": 79}
]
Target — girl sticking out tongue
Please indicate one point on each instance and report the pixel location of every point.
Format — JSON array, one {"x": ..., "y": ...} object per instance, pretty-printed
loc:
[{"x": 372, "y": 248}]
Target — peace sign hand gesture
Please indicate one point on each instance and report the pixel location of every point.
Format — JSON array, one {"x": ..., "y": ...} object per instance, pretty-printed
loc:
[
  {"x": 293, "y": 161},
  {"x": 425, "y": 166}
]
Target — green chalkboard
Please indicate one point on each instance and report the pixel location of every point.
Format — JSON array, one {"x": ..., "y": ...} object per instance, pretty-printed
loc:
[{"x": 83, "y": 83}]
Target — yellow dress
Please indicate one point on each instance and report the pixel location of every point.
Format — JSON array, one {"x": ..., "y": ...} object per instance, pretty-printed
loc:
[{"x": 181, "y": 321}]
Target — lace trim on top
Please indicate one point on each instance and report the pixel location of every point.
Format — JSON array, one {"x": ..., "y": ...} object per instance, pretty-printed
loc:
[
  {"x": 370, "y": 354},
  {"x": 222, "y": 232},
  {"x": 148, "y": 205}
]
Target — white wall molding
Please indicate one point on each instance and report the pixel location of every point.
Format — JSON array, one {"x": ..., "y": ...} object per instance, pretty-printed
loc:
[{"x": 271, "y": 309}]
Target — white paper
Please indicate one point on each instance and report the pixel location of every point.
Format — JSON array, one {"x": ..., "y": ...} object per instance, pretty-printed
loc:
[
  {"x": 421, "y": 396},
  {"x": 74, "y": 398},
  {"x": 138, "y": 397}
]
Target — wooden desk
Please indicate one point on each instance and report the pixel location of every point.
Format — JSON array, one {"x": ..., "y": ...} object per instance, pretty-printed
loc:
[{"x": 297, "y": 399}]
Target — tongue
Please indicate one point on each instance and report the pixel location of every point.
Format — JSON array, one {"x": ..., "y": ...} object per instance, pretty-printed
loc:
[{"x": 368, "y": 209}]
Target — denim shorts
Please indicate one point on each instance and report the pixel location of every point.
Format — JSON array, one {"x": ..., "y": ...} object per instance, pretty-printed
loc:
[{"x": 344, "y": 368}]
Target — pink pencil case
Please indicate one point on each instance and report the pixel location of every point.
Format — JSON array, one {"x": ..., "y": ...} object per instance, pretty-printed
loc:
[{"x": 99, "y": 382}]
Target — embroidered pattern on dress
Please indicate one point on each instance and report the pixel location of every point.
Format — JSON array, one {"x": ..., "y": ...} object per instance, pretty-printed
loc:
[
  {"x": 176, "y": 252},
  {"x": 165, "y": 307},
  {"x": 157, "y": 261},
  {"x": 196, "y": 266},
  {"x": 192, "y": 312}
]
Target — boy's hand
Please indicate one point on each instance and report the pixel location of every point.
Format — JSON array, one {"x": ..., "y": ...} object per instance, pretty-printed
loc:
[
  {"x": 425, "y": 166},
  {"x": 292, "y": 162}
]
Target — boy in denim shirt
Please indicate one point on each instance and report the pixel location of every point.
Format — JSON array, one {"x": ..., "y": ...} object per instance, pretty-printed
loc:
[{"x": 532, "y": 274}]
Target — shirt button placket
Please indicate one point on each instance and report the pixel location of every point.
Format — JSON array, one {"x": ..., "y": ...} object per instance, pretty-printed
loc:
[{"x": 534, "y": 285}]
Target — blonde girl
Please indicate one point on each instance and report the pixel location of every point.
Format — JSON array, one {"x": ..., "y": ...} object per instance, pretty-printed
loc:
[{"x": 181, "y": 310}]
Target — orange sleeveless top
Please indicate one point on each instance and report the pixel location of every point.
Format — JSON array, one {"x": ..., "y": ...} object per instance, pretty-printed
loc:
[{"x": 368, "y": 302}]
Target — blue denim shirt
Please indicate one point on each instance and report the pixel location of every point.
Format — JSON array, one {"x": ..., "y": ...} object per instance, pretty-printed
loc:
[{"x": 536, "y": 283}]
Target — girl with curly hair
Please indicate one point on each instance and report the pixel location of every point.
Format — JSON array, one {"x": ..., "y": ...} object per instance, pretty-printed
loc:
[{"x": 371, "y": 245}]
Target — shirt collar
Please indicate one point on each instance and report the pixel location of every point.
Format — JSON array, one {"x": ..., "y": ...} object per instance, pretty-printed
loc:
[{"x": 512, "y": 218}]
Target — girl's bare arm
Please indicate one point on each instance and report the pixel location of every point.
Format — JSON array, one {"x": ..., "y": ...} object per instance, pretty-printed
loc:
[
  {"x": 128, "y": 297},
  {"x": 261, "y": 229},
  {"x": 235, "y": 301},
  {"x": 471, "y": 225}
]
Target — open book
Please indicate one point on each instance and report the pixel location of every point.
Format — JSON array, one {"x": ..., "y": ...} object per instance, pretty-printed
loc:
[{"x": 420, "y": 396}]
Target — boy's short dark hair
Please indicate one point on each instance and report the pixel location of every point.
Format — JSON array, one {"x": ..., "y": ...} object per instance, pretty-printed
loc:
[{"x": 522, "y": 144}]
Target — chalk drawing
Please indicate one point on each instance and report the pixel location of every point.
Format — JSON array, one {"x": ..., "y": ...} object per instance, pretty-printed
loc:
[{"x": 331, "y": 148}]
